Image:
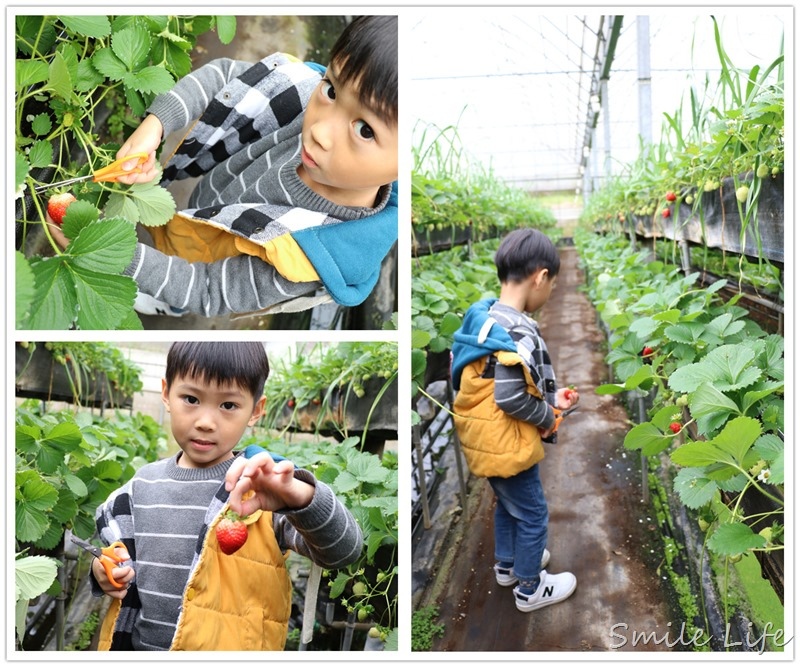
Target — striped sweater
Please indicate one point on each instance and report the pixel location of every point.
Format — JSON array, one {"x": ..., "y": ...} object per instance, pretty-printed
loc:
[{"x": 162, "y": 515}]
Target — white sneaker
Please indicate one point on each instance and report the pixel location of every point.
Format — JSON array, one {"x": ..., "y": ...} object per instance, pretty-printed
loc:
[
  {"x": 506, "y": 577},
  {"x": 552, "y": 588}
]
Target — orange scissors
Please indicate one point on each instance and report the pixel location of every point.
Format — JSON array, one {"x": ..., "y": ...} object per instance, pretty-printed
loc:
[
  {"x": 107, "y": 174},
  {"x": 560, "y": 414},
  {"x": 107, "y": 556}
]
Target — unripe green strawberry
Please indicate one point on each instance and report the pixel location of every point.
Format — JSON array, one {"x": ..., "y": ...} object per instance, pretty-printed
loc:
[
  {"x": 363, "y": 614},
  {"x": 741, "y": 193},
  {"x": 763, "y": 170},
  {"x": 359, "y": 589},
  {"x": 703, "y": 524},
  {"x": 231, "y": 533},
  {"x": 374, "y": 632}
]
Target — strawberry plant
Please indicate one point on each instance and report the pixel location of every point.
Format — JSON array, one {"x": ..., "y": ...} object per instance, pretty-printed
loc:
[
  {"x": 716, "y": 381},
  {"x": 82, "y": 83}
]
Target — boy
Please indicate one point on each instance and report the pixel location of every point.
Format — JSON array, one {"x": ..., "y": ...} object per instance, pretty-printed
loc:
[
  {"x": 182, "y": 592},
  {"x": 298, "y": 179},
  {"x": 503, "y": 411}
]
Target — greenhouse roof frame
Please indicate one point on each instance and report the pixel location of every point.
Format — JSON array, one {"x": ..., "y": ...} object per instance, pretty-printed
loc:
[{"x": 529, "y": 102}]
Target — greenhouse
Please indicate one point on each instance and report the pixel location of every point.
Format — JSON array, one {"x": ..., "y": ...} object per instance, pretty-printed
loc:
[{"x": 650, "y": 150}]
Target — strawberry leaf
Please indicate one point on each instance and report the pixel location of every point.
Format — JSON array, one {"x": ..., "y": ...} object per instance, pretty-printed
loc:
[
  {"x": 132, "y": 46},
  {"x": 25, "y": 288},
  {"x": 55, "y": 303},
  {"x": 79, "y": 214},
  {"x": 226, "y": 28},
  {"x": 87, "y": 26},
  {"x": 41, "y": 154},
  {"x": 59, "y": 79},
  {"x": 731, "y": 539},
  {"x": 648, "y": 438},
  {"x": 88, "y": 76},
  {"x": 107, "y": 246},
  {"x": 41, "y": 124},
  {"x": 21, "y": 169},
  {"x": 694, "y": 488},
  {"x": 33, "y": 575},
  {"x": 154, "y": 203},
  {"x": 108, "y": 64},
  {"x": 104, "y": 299},
  {"x": 30, "y": 72},
  {"x": 149, "y": 80}
]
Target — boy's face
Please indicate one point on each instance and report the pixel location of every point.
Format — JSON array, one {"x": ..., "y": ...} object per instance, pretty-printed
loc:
[
  {"x": 348, "y": 151},
  {"x": 208, "y": 419}
]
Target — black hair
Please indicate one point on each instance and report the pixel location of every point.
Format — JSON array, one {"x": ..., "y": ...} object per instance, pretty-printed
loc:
[
  {"x": 243, "y": 364},
  {"x": 366, "y": 52},
  {"x": 523, "y": 252}
]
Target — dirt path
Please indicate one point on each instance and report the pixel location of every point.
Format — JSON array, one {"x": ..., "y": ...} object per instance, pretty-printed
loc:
[{"x": 599, "y": 527}]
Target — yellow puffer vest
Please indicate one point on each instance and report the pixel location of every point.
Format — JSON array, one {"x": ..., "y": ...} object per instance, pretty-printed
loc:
[
  {"x": 494, "y": 443},
  {"x": 236, "y": 602}
]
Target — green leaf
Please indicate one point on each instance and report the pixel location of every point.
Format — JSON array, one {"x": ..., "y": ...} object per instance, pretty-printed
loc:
[
  {"x": 132, "y": 46},
  {"x": 24, "y": 283},
  {"x": 644, "y": 327},
  {"x": 33, "y": 575},
  {"x": 30, "y": 72},
  {"x": 76, "y": 485},
  {"x": 450, "y": 324},
  {"x": 709, "y": 400},
  {"x": 419, "y": 362},
  {"x": 42, "y": 124},
  {"x": 150, "y": 80},
  {"x": 34, "y": 498},
  {"x": 62, "y": 438},
  {"x": 419, "y": 339},
  {"x": 87, "y": 26},
  {"x": 178, "y": 62},
  {"x": 339, "y": 584},
  {"x": 769, "y": 446},
  {"x": 374, "y": 541},
  {"x": 21, "y": 169},
  {"x": 105, "y": 62},
  {"x": 120, "y": 205},
  {"x": 732, "y": 367},
  {"x": 105, "y": 246},
  {"x": 695, "y": 490},
  {"x": 88, "y": 78},
  {"x": 606, "y": 389},
  {"x": 105, "y": 300},
  {"x": 110, "y": 470},
  {"x": 59, "y": 79},
  {"x": 79, "y": 214},
  {"x": 738, "y": 437},
  {"x": 155, "y": 204},
  {"x": 648, "y": 438},
  {"x": 41, "y": 154},
  {"x": 226, "y": 28},
  {"x": 367, "y": 468},
  {"x": 642, "y": 375},
  {"x": 55, "y": 303},
  {"x": 731, "y": 539}
]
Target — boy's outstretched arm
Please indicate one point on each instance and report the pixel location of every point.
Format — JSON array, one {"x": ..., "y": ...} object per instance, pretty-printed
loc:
[
  {"x": 323, "y": 529},
  {"x": 241, "y": 284}
]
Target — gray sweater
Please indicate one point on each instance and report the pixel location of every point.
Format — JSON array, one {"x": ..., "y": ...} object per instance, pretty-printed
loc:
[{"x": 166, "y": 509}]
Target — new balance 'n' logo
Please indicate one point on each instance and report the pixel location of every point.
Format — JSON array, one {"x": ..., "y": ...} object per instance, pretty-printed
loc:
[{"x": 547, "y": 592}]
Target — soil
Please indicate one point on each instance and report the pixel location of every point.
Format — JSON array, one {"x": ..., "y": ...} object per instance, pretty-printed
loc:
[{"x": 601, "y": 528}]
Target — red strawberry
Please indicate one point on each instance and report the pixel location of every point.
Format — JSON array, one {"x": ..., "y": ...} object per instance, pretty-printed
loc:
[
  {"x": 57, "y": 206},
  {"x": 670, "y": 196},
  {"x": 665, "y": 213},
  {"x": 568, "y": 394},
  {"x": 231, "y": 532},
  {"x": 647, "y": 351},
  {"x": 675, "y": 427}
]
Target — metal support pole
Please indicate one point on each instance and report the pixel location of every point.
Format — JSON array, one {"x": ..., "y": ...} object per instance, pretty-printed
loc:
[
  {"x": 423, "y": 486},
  {"x": 645, "y": 482},
  {"x": 643, "y": 68}
]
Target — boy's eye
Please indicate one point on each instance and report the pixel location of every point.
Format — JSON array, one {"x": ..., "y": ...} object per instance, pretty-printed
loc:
[
  {"x": 363, "y": 130},
  {"x": 191, "y": 400},
  {"x": 229, "y": 405},
  {"x": 328, "y": 90}
]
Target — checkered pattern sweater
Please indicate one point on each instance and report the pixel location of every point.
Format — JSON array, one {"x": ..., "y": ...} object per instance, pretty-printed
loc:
[
  {"x": 162, "y": 516},
  {"x": 246, "y": 149}
]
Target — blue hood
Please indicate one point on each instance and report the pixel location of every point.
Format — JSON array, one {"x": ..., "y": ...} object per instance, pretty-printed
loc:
[{"x": 468, "y": 342}]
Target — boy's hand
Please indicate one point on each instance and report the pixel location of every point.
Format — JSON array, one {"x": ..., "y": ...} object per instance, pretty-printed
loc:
[
  {"x": 145, "y": 139},
  {"x": 274, "y": 485},
  {"x": 122, "y": 575},
  {"x": 566, "y": 398},
  {"x": 55, "y": 231}
]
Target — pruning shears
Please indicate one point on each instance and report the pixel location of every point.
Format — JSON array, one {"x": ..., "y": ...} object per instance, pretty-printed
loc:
[
  {"x": 560, "y": 414},
  {"x": 109, "y": 173},
  {"x": 107, "y": 556}
]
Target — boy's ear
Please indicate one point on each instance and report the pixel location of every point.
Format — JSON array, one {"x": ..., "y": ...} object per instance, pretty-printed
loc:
[
  {"x": 540, "y": 276},
  {"x": 165, "y": 393},
  {"x": 258, "y": 410}
]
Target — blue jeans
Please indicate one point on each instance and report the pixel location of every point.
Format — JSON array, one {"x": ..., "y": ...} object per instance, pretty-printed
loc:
[{"x": 520, "y": 524}]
